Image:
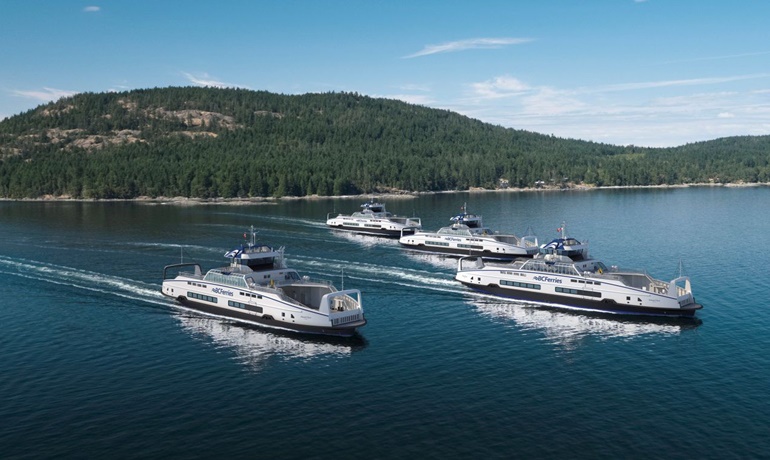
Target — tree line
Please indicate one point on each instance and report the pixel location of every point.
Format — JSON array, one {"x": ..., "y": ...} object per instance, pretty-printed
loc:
[{"x": 209, "y": 142}]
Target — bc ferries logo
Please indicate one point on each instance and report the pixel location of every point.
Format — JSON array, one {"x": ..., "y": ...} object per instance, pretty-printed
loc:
[
  {"x": 222, "y": 291},
  {"x": 546, "y": 279}
]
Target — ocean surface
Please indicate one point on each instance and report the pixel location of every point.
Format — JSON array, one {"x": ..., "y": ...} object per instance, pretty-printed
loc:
[{"x": 95, "y": 363}]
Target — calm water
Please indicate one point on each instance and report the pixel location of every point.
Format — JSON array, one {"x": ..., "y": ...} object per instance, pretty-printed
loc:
[{"x": 95, "y": 362}]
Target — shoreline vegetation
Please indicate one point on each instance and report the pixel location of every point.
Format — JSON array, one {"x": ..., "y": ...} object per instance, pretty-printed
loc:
[
  {"x": 163, "y": 144},
  {"x": 390, "y": 195}
]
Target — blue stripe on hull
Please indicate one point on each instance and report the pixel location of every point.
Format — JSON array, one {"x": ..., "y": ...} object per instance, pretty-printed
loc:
[
  {"x": 464, "y": 252},
  {"x": 606, "y": 305},
  {"x": 375, "y": 232}
]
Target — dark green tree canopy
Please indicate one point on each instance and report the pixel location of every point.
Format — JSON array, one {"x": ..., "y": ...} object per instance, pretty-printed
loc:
[{"x": 209, "y": 142}]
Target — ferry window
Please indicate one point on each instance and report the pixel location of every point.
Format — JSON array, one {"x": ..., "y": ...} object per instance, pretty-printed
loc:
[
  {"x": 521, "y": 285},
  {"x": 578, "y": 292}
]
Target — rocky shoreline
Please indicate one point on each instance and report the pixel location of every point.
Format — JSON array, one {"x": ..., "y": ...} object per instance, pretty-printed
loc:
[{"x": 388, "y": 195}]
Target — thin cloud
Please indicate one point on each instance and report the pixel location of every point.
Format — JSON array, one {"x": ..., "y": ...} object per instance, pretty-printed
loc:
[
  {"x": 472, "y": 43},
  {"x": 206, "y": 80},
  {"x": 602, "y": 114},
  {"x": 499, "y": 87},
  {"x": 668, "y": 83},
  {"x": 414, "y": 87},
  {"x": 510, "y": 87},
  {"x": 717, "y": 58},
  {"x": 44, "y": 95},
  {"x": 91, "y": 9}
]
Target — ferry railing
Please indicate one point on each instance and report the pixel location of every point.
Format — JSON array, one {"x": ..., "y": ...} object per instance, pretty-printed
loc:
[
  {"x": 343, "y": 306},
  {"x": 414, "y": 222},
  {"x": 470, "y": 263},
  {"x": 344, "y": 302},
  {"x": 557, "y": 268},
  {"x": 681, "y": 287},
  {"x": 307, "y": 279},
  {"x": 197, "y": 273},
  {"x": 277, "y": 291},
  {"x": 410, "y": 231}
]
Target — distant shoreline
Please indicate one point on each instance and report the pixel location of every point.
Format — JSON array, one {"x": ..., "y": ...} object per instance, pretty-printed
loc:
[{"x": 385, "y": 195}]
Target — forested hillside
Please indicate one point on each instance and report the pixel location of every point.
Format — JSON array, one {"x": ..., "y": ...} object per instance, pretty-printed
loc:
[{"x": 207, "y": 142}]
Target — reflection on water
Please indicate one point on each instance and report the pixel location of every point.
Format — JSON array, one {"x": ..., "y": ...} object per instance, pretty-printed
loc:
[
  {"x": 567, "y": 328},
  {"x": 254, "y": 346}
]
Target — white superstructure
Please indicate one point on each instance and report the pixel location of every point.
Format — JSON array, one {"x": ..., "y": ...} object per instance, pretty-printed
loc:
[
  {"x": 468, "y": 236},
  {"x": 374, "y": 220},
  {"x": 586, "y": 283},
  {"x": 257, "y": 288}
]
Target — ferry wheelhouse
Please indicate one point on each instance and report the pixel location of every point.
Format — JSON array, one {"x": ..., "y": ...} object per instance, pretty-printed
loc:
[
  {"x": 258, "y": 288},
  {"x": 373, "y": 219},
  {"x": 565, "y": 245}
]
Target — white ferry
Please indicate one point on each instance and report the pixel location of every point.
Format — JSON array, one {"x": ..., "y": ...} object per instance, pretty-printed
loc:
[
  {"x": 468, "y": 236},
  {"x": 257, "y": 288},
  {"x": 374, "y": 220},
  {"x": 557, "y": 280}
]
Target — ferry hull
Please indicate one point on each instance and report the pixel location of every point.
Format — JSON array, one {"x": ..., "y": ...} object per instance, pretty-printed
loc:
[
  {"x": 345, "y": 330},
  {"x": 374, "y": 231},
  {"x": 606, "y": 305},
  {"x": 460, "y": 252}
]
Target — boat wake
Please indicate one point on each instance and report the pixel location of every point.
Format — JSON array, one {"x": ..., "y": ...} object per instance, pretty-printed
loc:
[
  {"x": 437, "y": 260},
  {"x": 82, "y": 279},
  {"x": 375, "y": 273},
  {"x": 277, "y": 218},
  {"x": 367, "y": 241}
]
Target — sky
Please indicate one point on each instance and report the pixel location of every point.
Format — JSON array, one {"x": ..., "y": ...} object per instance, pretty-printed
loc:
[{"x": 651, "y": 73}]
